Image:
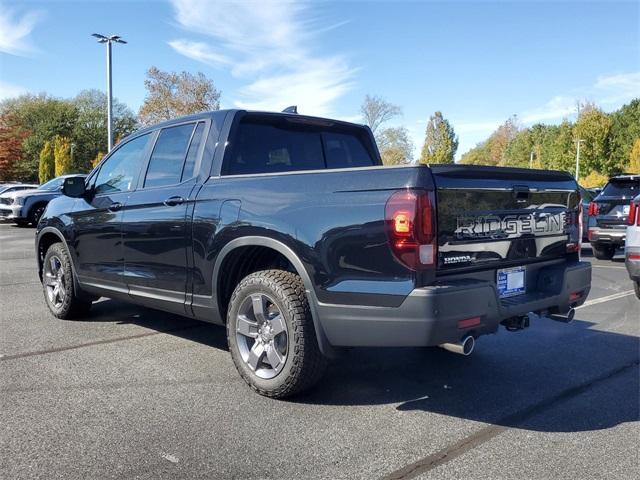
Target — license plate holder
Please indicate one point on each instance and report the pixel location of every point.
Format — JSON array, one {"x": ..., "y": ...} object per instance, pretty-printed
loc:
[{"x": 511, "y": 281}]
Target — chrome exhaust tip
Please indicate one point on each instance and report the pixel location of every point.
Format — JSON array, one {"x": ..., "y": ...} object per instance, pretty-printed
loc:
[
  {"x": 565, "y": 318},
  {"x": 465, "y": 347}
]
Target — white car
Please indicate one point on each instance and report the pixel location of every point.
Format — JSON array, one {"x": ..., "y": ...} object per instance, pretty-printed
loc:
[{"x": 632, "y": 247}]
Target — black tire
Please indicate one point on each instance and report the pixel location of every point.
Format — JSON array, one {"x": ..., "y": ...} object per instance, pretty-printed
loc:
[
  {"x": 35, "y": 213},
  {"x": 72, "y": 304},
  {"x": 603, "y": 252},
  {"x": 22, "y": 223},
  {"x": 636, "y": 286},
  {"x": 304, "y": 364}
]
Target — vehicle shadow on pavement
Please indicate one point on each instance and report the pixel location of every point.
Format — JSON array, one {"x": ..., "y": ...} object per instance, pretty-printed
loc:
[
  {"x": 123, "y": 313},
  {"x": 511, "y": 379},
  {"x": 504, "y": 382}
]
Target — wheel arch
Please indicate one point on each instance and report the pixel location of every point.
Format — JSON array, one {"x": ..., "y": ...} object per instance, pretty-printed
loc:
[
  {"x": 298, "y": 267},
  {"x": 47, "y": 237}
]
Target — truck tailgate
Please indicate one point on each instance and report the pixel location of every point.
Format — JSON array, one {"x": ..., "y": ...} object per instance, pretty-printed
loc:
[{"x": 490, "y": 217}]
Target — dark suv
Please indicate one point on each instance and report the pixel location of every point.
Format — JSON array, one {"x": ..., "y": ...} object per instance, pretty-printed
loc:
[{"x": 609, "y": 211}]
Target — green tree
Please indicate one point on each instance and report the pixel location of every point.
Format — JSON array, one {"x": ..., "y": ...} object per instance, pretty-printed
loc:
[
  {"x": 90, "y": 130},
  {"x": 97, "y": 159},
  {"x": 46, "y": 169},
  {"x": 43, "y": 117},
  {"x": 493, "y": 150},
  {"x": 634, "y": 158},
  {"x": 440, "y": 143},
  {"x": 62, "y": 155},
  {"x": 478, "y": 155},
  {"x": 593, "y": 127},
  {"x": 395, "y": 146},
  {"x": 171, "y": 95},
  {"x": 625, "y": 130},
  {"x": 560, "y": 152}
]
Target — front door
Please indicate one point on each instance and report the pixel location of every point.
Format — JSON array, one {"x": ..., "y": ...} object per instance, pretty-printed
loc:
[
  {"x": 97, "y": 218},
  {"x": 156, "y": 230}
]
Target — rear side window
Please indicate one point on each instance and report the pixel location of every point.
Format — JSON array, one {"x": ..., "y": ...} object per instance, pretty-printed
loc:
[
  {"x": 621, "y": 188},
  {"x": 271, "y": 145},
  {"x": 345, "y": 151},
  {"x": 168, "y": 157}
]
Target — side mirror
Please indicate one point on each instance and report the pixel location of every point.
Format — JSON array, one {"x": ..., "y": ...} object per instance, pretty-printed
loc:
[{"x": 74, "y": 187}]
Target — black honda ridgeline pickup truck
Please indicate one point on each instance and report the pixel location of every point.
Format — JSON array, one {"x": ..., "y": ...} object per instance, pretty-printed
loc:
[{"x": 289, "y": 230}]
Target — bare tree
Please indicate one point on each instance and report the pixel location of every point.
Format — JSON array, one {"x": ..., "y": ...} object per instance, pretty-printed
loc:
[
  {"x": 171, "y": 94},
  {"x": 377, "y": 111}
]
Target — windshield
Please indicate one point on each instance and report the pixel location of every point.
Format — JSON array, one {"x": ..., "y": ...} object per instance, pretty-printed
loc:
[
  {"x": 621, "y": 188},
  {"x": 52, "y": 184}
]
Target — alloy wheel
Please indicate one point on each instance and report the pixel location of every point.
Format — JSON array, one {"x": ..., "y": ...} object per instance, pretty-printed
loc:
[
  {"x": 262, "y": 335},
  {"x": 54, "y": 281}
]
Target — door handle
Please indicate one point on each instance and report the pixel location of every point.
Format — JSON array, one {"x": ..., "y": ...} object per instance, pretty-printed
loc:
[
  {"x": 114, "y": 207},
  {"x": 173, "y": 201}
]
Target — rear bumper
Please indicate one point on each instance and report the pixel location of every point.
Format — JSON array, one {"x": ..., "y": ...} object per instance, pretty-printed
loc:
[
  {"x": 430, "y": 315},
  {"x": 608, "y": 236},
  {"x": 632, "y": 262}
]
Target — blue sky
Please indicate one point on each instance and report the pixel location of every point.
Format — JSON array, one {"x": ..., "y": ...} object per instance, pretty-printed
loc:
[{"x": 477, "y": 62}]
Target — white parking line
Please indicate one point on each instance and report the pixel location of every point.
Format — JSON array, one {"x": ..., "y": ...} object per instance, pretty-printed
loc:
[
  {"x": 608, "y": 266},
  {"x": 613, "y": 296}
]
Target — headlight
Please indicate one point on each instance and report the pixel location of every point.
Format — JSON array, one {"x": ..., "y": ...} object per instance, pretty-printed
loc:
[{"x": 18, "y": 201}]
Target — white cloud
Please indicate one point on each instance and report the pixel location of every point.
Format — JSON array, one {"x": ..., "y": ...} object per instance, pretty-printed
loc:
[
  {"x": 618, "y": 88},
  {"x": 9, "y": 90},
  {"x": 267, "y": 45},
  {"x": 15, "y": 30},
  {"x": 199, "y": 51}
]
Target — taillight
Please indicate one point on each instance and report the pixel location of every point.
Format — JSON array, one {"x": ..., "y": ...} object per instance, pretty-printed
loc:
[
  {"x": 593, "y": 209},
  {"x": 410, "y": 220},
  {"x": 633, "y": 211}
]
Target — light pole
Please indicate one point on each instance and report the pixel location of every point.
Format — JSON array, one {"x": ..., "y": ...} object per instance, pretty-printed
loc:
[
  {"x": 109, "y": 41},
  {"x": 578, "y": 142},
  {"x": 531, "y": 159}
]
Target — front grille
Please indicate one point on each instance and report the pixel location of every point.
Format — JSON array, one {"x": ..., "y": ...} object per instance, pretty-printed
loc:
[{"x": 6, "y": 201}]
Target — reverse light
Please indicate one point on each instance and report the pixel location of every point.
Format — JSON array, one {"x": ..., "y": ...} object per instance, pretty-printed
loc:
[{"x": 410, "y": 220}]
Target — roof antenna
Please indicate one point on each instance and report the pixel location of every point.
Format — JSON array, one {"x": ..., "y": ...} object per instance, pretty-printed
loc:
[{"x": 291, "y": 109}]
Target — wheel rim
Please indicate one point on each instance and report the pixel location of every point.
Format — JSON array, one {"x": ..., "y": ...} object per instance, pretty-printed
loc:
[
  {"x": 54, "y": 281},
  {"x": 262, "y": 335}
]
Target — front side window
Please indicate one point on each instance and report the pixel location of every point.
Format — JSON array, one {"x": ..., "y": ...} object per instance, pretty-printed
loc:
[
  {"x": 168, "y": 157},
  {"x": 120, "y": 170}
]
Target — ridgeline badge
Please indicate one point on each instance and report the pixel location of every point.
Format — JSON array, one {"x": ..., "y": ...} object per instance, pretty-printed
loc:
[{"x": 507, "y": 225}]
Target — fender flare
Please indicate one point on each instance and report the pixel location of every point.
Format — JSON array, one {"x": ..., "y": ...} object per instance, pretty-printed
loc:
[
  {"x": 58, "y": 234},
  {"x": 325, "y": 347}
]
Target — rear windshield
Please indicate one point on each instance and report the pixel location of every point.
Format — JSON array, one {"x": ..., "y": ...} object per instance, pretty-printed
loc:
[
  {"x": 621, "y": 188},
  {"x": 279, "y": 144}
]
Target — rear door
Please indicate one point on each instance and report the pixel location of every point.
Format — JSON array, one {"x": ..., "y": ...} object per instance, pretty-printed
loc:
[
  {"x": 491, "y": 217},
  {"x": 156, "y": 231}
]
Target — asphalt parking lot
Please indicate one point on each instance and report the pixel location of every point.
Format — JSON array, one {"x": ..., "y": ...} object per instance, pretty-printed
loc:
[{"x": 135, "y": 393}]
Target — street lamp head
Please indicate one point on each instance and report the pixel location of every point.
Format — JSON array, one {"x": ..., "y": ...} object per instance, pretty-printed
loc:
[
  {"x": 101, "y": 38},
  {"x": 105, "y": 39}
]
